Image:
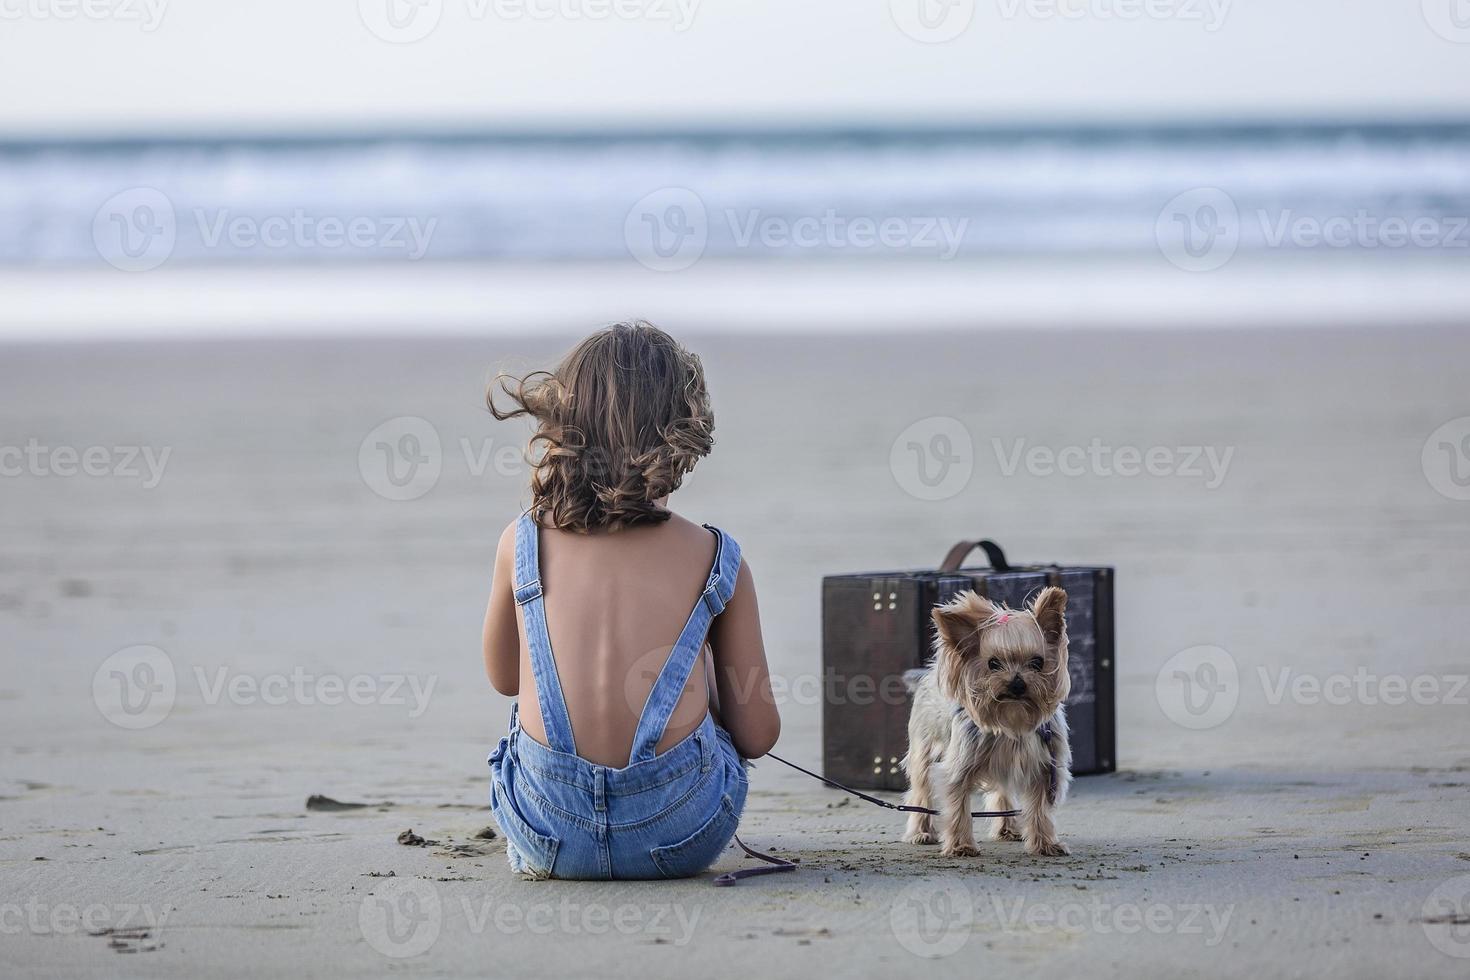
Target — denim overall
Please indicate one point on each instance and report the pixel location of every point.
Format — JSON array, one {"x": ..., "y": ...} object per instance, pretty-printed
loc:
[{"x": 661, "y": 816}]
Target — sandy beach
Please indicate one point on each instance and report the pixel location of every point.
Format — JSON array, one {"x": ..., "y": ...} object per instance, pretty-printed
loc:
[{"x": 219, "y": 597}]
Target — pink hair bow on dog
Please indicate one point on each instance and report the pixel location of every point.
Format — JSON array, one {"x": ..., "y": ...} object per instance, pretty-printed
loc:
[{"x": 1003, "y": 618}]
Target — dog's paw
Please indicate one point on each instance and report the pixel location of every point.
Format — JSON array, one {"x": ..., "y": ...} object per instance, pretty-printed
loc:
[
  {"x": 920, "y": 837},
  {"x": 960, "y": 851},
  {"x": 1006, "y": 833},
  {"x": 1047, "y": 848}
]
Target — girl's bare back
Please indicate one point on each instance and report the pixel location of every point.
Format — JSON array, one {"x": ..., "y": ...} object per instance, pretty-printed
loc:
[{"x": 615, "y": 605}]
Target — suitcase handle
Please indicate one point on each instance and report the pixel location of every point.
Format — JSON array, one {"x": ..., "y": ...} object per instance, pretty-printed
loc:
[{"x": 958, "y": 553}]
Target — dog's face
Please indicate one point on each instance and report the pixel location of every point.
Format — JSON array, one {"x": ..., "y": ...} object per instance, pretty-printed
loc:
[{"x": 1007, "y": 669}]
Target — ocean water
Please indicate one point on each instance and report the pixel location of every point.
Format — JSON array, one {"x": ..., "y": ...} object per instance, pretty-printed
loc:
[{"x": 662, "y": 198}]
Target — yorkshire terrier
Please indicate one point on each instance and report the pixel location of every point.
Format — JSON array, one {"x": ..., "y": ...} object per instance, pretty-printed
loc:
[{"x": 989, "y": 711}]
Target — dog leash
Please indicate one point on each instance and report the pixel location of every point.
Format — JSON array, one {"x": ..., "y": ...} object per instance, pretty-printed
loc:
[
  {"x": 774, "y": 865},
  {"x": 777, "y": 865},
  {"x": 905, "y": 807}
]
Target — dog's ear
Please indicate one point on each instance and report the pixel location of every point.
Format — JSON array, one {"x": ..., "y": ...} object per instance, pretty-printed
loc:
[
  {"x": 1050, "y": 610},
  {"x": 958, "y": 621}
]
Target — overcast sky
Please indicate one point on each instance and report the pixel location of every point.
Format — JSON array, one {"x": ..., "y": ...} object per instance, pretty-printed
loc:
[{"x": 147, "y": 66}]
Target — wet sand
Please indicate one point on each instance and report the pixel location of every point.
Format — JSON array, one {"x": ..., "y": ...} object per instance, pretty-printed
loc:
[{"x": 1296, "y": 834}]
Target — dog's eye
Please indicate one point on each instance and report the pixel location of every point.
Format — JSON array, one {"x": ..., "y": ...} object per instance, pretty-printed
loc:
[
  {"x": 994, "y": 664},
  {"x": 1035, "y": 663}
]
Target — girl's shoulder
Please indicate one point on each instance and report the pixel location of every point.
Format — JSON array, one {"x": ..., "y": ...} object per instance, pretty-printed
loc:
[
  {"x": 678, "y": 531},
  {"x": 701, "y": 537}
]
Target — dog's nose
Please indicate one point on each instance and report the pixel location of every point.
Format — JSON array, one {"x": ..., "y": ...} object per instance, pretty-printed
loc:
[{"x": 1017, "y": 686}]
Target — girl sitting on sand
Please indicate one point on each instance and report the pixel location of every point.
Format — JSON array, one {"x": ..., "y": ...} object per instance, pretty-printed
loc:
[{"x": 626, "y": 747}]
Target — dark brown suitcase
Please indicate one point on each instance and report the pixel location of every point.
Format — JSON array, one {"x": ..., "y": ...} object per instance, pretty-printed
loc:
[{"x": 876, "y": 625}]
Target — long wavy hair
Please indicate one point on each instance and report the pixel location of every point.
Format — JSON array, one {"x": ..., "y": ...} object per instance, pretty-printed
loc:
[{"x": 619, "y": 423}]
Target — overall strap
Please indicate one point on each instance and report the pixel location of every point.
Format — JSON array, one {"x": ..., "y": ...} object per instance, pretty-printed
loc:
[
  {"x": 669, "y": 686},
  {"x": 528, "y": 591}
]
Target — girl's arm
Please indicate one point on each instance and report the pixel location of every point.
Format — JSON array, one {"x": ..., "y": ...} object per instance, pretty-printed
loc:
[
  {"x": 502, "y": 637},
  {"x": 747, "y": 708}
]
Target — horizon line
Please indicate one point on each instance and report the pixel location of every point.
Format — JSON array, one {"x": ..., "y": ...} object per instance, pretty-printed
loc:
[{"x": 1229, "y": 127}]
